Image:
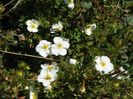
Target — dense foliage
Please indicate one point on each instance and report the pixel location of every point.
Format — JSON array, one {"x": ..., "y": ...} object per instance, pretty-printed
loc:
[{"x": 112, "y": 37}]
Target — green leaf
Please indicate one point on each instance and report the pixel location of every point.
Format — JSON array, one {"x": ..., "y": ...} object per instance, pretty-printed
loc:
[
  {"x": 1, "y": 62},
  {"x": 86, "y": 5},
  {"x": 129, "y": 19}
]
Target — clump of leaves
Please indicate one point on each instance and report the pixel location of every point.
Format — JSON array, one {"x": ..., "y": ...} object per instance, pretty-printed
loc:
[{"x": 112, "y": 37}]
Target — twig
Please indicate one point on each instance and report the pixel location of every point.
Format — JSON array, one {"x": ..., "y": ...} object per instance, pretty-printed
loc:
[
  {"x": 9, "y": 3},
  {"x": 26, "y": 55},
  {"x": 95, "y": 77},
  {"x": 117, "y": 5},
  {"x": 18, "y": 2}
]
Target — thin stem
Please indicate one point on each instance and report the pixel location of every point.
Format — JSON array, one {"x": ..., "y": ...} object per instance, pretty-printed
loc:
[
  {"x": 18, "y": 2},
  {"x": 9, "y": 3},
  {"x": 26, "y": 55}
]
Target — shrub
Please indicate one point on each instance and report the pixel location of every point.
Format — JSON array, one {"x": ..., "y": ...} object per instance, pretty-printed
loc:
[{"x": 90, "y": 41}]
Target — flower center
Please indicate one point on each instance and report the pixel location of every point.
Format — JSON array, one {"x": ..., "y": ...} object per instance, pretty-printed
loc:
[
  {"x": 48, "y": 77},
  {"x": 50, "y": 67},
  {"x": 59, "y": 45},
  {"x": 103, "y": 64},
  {"x": 45, "y": 46},
  {"x": 58, "y": 28},
  {"x": 33, "y": 25}
]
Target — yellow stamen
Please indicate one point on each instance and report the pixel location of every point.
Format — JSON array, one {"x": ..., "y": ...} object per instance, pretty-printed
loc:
[
  {"x": 45, "y": 46},
  {"x": 50, "y": 67},
  {"x": 48, "y": 77},
  {"x": 33, "y": 25},
  {"x": 103, "y": 64},
  {"x": 59, "y": 45}
]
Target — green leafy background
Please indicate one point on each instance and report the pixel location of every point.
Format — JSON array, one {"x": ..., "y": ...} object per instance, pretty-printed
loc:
[{"x": 113, "y": 37}]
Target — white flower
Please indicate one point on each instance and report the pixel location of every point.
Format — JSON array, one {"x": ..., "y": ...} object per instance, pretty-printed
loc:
[
  {"x": 88, "y": 31},
  {"x": 43, "y": 48},
  {"x": 60, "y": 47},
  {"x": 48, "y": 87},
  {"x": 26, "y": 88},
  {"x": 122, "y": 69},
  {"x": 46, "y": 77},
  {"x": 72, "y": 61},
  {"x": 93, "y": 26},
  {"x": 32, "y": 25},
  {"x": 33, "y": 93},
  {"x": 103, "y": 64},
  {"x": 89, "y": 28},
  {"x": 50, "y": 67},
  {"x": 70, "y": 3},
  {"x": 56, "y": 27}
]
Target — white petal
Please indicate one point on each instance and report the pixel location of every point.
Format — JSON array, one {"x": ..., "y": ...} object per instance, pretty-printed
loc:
[
  {"x": 48, "y": 87},
  {"x": 38, "y": 48},
  {"x": 60, "y": 26},
  {"x": 66, "y": 44},
  {"x": 56, "y": 68},
  {"x": 46, "y": 83},
  {"x": 44, "y": 66},
  {"x": 54, "y": 63},
  {"x": 71, "y": 5},
  {"x": 54, "y": 50},
  {"x": 109, "y": 68},
  {"x": 35, "y": 22},
  {"x": 93, "y": 26},
  {"x": 42, "y": 42},
  {"x": 43, "y": 72},
  {"x": 28, "y": 22},
  {"x": 105, "y": 58},
  {"x": 88, "y": 31},
  {"x": 35, "y": 30},
  {"x": 40, "y": 78},
  {"x": 72, "y": 61},
  {"x": 43, "y": 53},
  {"x": 97, "y": 59},
  {"x": 53, "y": 75},
  {"x": 55, "y": 26},
  {"x": 62, "y": 52},
  {"x": 122, "y": 69},
  {"x": 30, "y": 29},
  {"x": 57, "y": 39},
  {"x": 98, "y": 68}
]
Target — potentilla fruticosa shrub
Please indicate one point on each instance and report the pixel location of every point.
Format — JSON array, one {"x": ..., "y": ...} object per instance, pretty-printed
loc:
[{"x": 66, "y": 49}]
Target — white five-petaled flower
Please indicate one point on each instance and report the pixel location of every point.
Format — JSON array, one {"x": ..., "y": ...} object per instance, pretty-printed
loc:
[
  {"x": 46, "y": 77},
  {"x": 70, "y": 3},
  {"x": 103, "y": 64},
  {"x": 89, "y": 28},
  {"x": 56, "y": 27},
  {"x": 43, "y": 48},
  {"x": 32, "y": 25},
  {"x": 72, "y": 61},
  {"x": 60, "y": 47},
  {"x": 50, "y": 67},
  {"x": 48, "y": 74}
]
